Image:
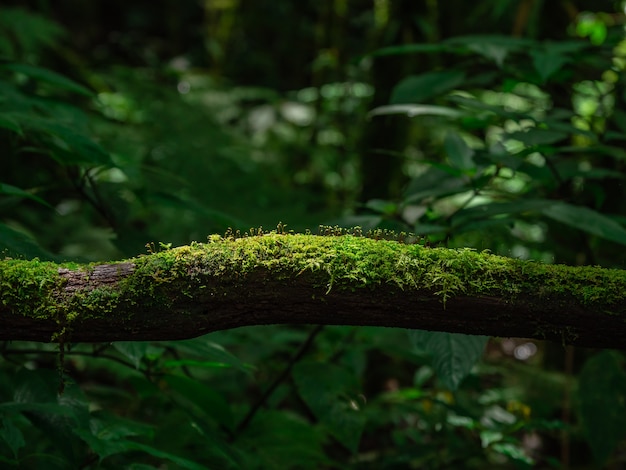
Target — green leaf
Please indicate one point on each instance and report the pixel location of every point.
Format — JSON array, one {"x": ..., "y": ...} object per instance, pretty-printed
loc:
[
  {"x": 459, "y": 153},
  {"x": 14, "y": 243},
  {"x": 330, "y": 393},
  {"x": 11, "y": 434},
  {"x": 200, "y": 397},
  {"x": 485, "y": 211},
  {"x": 279, "y": 440},
  {"x": 413, "y": 110},
  {"x": 537, "y": 136},
  {"x": 587, "y": 220},
  {"x": 514, "y": 452},
  {"x": 411, "y": 49},
  {"x": 56, "y": 416},
  {"x": 474, "y": 104},
  {"x": 210, "y": 352},
  {"x": 7, "y": 121},
  {"x": 454, "y": 354},
  {"x": 135, "y": 351},
  {"x": 69, "y": 146},
  {"x": 546, "y": 63},
  {"x": 17, "y": 192},
  {"x": 48, "y": 76},
  {"x": 434, "y": 182},
  {"x": 106, "y": 426},
  {"x": 419, "y": 88},
  {"x": 104, "y": 448},
  {"x": 493, "y": 47},
  {"x": 30, "y": 31},
  {"x": 381, "y": 206},
  {"x": 602, "y": 398}
]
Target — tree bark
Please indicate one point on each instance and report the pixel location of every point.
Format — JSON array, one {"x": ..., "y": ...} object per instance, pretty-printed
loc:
[{"x": 283, "y": 278}]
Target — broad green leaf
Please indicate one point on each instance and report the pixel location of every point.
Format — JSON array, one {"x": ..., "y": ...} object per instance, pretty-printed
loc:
[
  {"x": 135, "y": 351},
  {"x": 434, "y": 182},
  {"x": 619, "y": 118},
  {"x": 429, "y": 229},
  {"x": 9, "y": 122},
  {"x": 453, "y": 354},
  {"x": 11, "y": 434},
  {"x": 413, "y": 110},
  {"x": 277, "y": 440},
  {"x": 602, "y": 402},
  {"x": 56, "y": 416},
  {"x": 514, "y": 452},
  {"x": 411, "y": 49},
  {"x": 17, "y": 192},
  {"x": 546, "y": 63},
  {"x": 201, "y": 397},
  {"x": 493, "y": 47},
  {"x": 330, "y": 393},
  {"x": 210, "y": 352},
  {"x": 76, "y": 147},
  {"x": 537, "y": 136},
  {"x": 106, "y": 447},
  {"x": 47, "y": 76},
  {"x": 475, "y": 104},
  {"x": 485, "y": 211},
  {"x": 587, "y": 220},
  {"x": 29, "y": 30},
  {"x": 419, "y": 88},
  {"x": 382, "y": 206},
  {"x": 106, "y": 426},
  {"x": 459, "y": 153},
  {"x": 14, "y": 243},
  {"x": 195, "y": 363}
]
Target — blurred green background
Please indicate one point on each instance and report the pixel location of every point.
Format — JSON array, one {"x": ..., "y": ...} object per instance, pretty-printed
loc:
[{"x": 495, "y": 124}]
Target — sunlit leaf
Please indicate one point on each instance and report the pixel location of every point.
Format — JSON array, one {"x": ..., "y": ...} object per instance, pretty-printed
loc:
[{"x": 414, "y": 110}]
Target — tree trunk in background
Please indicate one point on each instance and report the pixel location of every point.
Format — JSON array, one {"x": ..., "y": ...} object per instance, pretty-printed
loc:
[{"x": 382, "y": 173}]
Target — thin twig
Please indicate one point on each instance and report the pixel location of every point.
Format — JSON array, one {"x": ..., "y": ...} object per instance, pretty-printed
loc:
[{"x": 278, "y": 380}]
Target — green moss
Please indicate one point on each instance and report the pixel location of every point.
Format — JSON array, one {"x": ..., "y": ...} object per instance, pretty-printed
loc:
[
  {"x": 28, "y": 287},
  {"x": 34, "y": 288}
]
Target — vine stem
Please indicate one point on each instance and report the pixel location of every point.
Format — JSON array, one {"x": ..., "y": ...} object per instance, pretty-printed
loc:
[{"x": 278, "y": 380}]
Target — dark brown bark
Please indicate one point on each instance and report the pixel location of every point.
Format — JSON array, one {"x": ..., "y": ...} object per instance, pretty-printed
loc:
[{"x": 260, "y": 298}]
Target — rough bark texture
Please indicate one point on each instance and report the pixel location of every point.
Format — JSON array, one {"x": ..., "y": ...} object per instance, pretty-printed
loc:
[{"x": 190, "y": 291}]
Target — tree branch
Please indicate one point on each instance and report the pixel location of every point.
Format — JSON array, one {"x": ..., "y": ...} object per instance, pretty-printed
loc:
[{"x": 306, "y": 279}]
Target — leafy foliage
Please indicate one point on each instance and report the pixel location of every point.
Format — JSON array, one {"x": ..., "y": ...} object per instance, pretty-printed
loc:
[{"x": 500, "y": 141}]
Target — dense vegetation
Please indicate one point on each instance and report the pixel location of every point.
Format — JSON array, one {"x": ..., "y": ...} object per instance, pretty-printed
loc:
[{"x": 497, "y": 125}]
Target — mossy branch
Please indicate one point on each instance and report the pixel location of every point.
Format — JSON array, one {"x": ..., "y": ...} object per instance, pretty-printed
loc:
[{"x": 285, "y": 278}]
